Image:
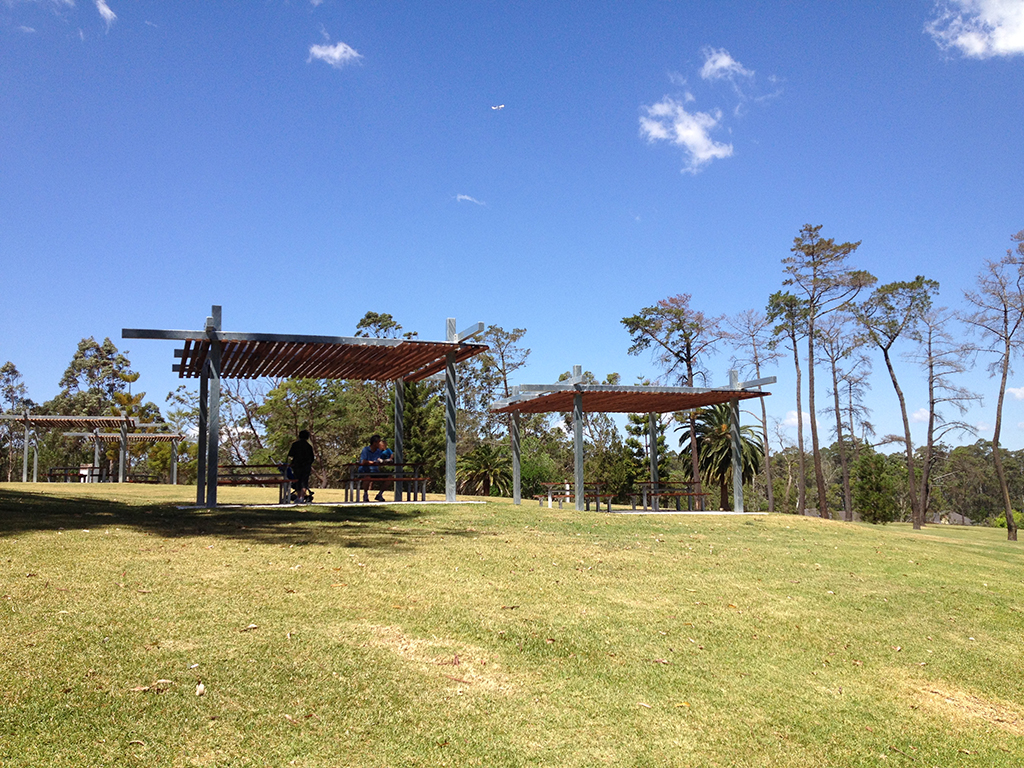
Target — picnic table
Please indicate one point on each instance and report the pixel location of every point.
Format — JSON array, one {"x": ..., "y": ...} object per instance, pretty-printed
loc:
[
  {"x": 406, "y": 476},
  {"x": 651, "y": 492},
  {"x": 564, "y": 491},
  {"x": 255, "y": 474},
  {"x": 83, "y": 473}
]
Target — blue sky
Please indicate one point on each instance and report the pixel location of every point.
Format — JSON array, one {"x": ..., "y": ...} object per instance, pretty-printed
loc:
[{"x": 301, "y": 163}]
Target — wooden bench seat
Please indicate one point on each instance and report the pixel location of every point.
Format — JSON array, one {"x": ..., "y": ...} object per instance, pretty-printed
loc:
[{"x": 255, "y": 474}]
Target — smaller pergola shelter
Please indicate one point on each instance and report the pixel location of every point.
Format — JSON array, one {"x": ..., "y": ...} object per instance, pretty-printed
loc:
[
  {"x": 133, "y": 437},
  {"x": 212, "y": 354},
  {"x": 579, "y": 398},
  {"x": 91, "y": 423}
]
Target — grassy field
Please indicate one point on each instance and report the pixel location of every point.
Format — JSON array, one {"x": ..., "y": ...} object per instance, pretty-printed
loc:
[{"x": 494, "y": 635}]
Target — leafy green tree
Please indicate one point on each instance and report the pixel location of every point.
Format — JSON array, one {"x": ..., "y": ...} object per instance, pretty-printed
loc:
[
  {"x": 424, "y": 429},
  {"x": 91, "y": 380},
  {"x": 638, "y": 447},
  {"x": 874, "y": 490}
]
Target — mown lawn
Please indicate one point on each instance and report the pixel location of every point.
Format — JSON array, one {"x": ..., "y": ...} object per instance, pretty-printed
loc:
[{"x": 495, "y": 635}]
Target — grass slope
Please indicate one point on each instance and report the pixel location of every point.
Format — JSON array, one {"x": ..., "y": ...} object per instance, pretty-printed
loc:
[{"x": 496, "y": 635}]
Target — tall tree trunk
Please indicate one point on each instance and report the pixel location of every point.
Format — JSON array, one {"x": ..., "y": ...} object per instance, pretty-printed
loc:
[
  {"x": 915, "y": 507},
  {"x": 819, "y": 474},
  {"x": 843, "y": 459},
  {"x": 770, "y": 490},
  {"x": 997, "y": 459},
  {"x": 801, "y": 480}
]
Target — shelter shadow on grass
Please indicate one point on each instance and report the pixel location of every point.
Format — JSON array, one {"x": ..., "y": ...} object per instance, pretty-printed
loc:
[{"x": 369, "y": 527}]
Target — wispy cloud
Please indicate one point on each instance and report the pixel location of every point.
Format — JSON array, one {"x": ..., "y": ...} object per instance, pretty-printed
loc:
[
  {"x": 720, "y": 65},
  {"x": 468, "y": 199},
  {"x": 669, "y": 120},
  {"x": 1017, "y": 392},
  {"x": 979, "y": 29},
  {"x": 337, "y": 55},
  {"x": 920, "y": 416},
  {"x": 108, "y": 15},
  {"x": 26, "y": 30}
]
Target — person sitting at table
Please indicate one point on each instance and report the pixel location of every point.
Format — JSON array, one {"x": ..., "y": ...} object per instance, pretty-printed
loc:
[{"x": 370, "y": 459}]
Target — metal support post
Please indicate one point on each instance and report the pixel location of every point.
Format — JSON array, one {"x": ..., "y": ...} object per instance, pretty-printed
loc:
[
  {"x": 35, "y": 457},
  {"x": 450, "y": 411},
  {"x": 652, "y": 432},
  {"x": 122, "y": 457},
  {"x": 737, "y": 446},
  {"x": 213, "y": 325},
  {"x": 174, "y": 462},
  {"x": 517, "y": 478},
  {"x": 95, "y": 474},
  {"x": 24, "y": 452},
  {"x": 204, "y": 409},
  {"x": 577, "y": 440},
  {"x": 398, "y": 451}
]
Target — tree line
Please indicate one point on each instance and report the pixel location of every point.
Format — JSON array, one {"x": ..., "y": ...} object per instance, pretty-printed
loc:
[{"x": 829, "y": 319}]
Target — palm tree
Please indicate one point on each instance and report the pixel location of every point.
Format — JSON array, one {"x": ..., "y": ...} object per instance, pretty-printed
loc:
[
  {"x": 714, "y": 448},
  {"x": 483, "y": 467}
]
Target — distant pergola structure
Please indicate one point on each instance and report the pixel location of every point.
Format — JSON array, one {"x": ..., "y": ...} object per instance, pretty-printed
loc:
[
  {"x": 579, "y": 398},
  {"x": 91, "y": 423},
  {"x": 99, "y": 438},
  {"x": 212, "y": 354}
]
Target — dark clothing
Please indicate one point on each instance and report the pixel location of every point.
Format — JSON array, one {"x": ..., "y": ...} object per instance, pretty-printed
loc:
[
  {"x": 301, "y": 455},
  {"x": 301, "y": 458}
]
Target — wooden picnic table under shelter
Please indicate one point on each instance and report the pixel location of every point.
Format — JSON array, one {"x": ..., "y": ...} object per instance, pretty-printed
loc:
[
  {"x": 212, "y": 354},
  {"x": 579, "y": 398}
]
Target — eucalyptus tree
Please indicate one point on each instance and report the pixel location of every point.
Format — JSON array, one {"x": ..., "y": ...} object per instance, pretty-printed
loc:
[
  {"x": 998, "y": 316},
  {"x": 13, "y": 400},
  {"x": 838, "y": 345},
  {"x": 790, "y": 316},
  {"x": 943, "y": 358},
  {"x": 819, "y": 274},
  {"x": 893, "y": 312},
  {"x": 750, "y": 333},
  {"x": 681, "y": 338}
]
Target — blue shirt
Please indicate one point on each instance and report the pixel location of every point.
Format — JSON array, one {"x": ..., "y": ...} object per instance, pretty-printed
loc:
[{"x": 369, "y": 455}]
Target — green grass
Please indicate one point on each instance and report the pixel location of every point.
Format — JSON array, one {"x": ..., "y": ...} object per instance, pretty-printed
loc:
[{"x": 496, "y": 635}]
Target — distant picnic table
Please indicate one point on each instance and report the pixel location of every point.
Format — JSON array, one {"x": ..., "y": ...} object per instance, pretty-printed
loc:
[
  {"x": 406, "y": 476},
  {"x": 563, "y": 491},
  {"x": 652, "y": 492}
]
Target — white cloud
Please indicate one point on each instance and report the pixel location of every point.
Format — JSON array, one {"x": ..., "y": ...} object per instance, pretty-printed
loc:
[
  {"x": 790, "y": 420},
  {"x": 669, "y": 121},
  {"x": 468, "y": 199},
  {"x": 979, "y": 29},
  {"x": 337, "y": 55},
  {"x": 108, "y": 15},
  {"x": 720, "y": 65},
  {"x": 26, "y": 30},
  {"x": 920, "y": 416},
  {"x": 1017, "y": 392}
]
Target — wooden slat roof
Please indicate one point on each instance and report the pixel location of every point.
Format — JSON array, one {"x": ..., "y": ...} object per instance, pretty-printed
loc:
[
  {"x": 71, "y": 422},
  {"x": 609, "y": 399},
  {"x": 133, "y": 437},
  {"x": 324, "y": 358}
]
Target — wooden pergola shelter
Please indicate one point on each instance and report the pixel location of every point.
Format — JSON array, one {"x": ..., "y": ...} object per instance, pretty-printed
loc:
[
  {"x": 133, "y": 437},
  {"x": 91, "y": 423},
  {"x": 573, "y": 395},
  {"x": 212, "y": 354}
]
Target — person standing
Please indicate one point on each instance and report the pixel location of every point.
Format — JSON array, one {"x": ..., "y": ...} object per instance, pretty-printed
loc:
[{"x": 300, "y": 459}]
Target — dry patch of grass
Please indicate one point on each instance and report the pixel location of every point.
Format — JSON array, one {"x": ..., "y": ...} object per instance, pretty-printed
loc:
[
  {"x": 968, "y": 710},
  {"x": 449, "y": 659}
]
